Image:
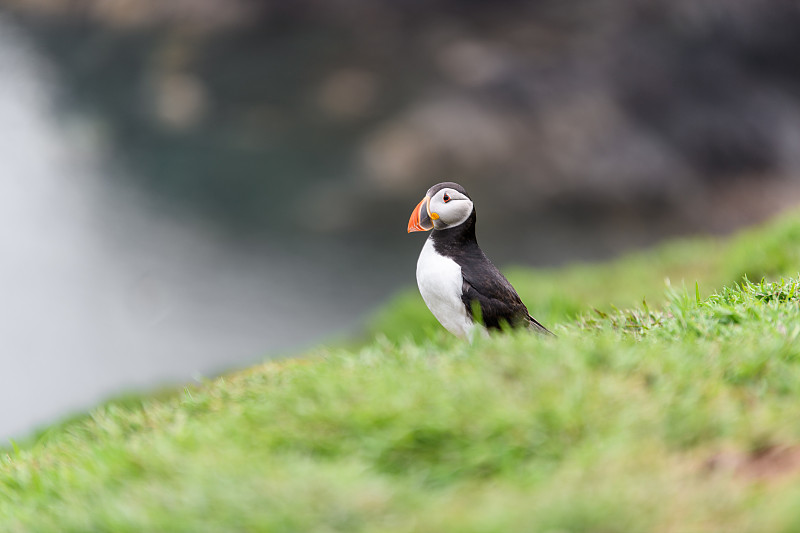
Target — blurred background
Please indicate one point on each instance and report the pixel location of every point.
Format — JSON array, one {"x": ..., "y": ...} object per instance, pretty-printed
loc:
[{"x": 193, "y": 185}]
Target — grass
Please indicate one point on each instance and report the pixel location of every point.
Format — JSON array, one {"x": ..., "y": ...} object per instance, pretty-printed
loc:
[{"x": 675, "y": 415}]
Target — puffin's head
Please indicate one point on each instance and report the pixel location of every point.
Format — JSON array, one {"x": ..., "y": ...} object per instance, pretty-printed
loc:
[{"x": 445, "y": 205}]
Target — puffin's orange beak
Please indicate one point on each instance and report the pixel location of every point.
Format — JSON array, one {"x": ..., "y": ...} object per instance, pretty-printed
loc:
[{"x": 420, "y": 217}]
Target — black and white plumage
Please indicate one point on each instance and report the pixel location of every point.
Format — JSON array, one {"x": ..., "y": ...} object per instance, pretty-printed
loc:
[{"x": 455, "y": 277}]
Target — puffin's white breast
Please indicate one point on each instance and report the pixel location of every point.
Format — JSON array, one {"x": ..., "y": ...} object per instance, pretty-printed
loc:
[{"x": 440, "y": 284}]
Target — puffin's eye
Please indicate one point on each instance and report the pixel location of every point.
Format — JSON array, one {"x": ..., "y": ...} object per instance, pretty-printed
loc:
[{"x": 446, "y": 197}]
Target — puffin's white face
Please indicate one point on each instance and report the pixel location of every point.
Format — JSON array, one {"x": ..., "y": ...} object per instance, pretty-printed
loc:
[
  {"x": 445, "y": 208},
  {"x": 449, "y": 208}
]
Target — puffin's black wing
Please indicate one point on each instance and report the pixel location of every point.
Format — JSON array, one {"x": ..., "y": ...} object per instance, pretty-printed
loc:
[
  {"x": 499, "y": 302},
  {"x": 533, "y": 323},
  {"x": 482, "y": 282}
]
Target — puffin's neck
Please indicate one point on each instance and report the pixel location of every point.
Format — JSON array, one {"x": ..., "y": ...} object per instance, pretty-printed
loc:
[{"x": 451, "y": 240}]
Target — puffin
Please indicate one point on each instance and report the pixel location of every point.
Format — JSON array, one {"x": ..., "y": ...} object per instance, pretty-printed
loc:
[{"x": 460, "y": 285}]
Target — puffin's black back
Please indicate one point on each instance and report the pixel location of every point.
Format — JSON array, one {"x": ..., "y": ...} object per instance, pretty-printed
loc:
[{"x": 483, "y": 283}]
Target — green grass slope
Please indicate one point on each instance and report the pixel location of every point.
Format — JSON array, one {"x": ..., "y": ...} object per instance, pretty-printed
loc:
[{"x": 676, "y": 417}]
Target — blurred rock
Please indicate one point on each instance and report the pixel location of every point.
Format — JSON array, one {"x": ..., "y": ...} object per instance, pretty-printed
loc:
[
  {"x": 132, "y": 14},
  {"x": 348, "y": 94},
  {"x": 440, "y": 138},
  {"x": 628, "y": 114},
  {"x": 179, "y": 101},
  {"x": 472, "y": 63}
]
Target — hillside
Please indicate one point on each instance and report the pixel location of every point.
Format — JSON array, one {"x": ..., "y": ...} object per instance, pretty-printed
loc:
[
  {"x": 676, "y": 414},
  {"x": 557, "y": 296}
]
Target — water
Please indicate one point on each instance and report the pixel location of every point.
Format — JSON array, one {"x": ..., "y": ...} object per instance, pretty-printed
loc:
[{"x": 102, "y": 294}]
